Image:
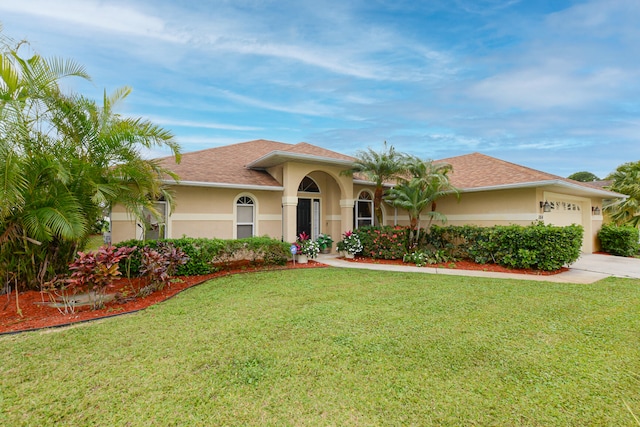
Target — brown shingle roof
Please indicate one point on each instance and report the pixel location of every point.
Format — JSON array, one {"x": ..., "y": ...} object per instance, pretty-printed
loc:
[
  {"x": 314, "y": 150},
  {"x": 477, "y": 170},
  {"x": 226, "y": 164}
]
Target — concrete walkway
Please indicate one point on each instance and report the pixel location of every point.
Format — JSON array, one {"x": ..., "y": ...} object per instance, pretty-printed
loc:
[{"x": 588, "y": 269}]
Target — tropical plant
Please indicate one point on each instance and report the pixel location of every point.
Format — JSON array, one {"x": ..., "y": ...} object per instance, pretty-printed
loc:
[
  {"x": 159, "y": 265},
  {"x": 428, "y": 182},
  {"x": 96, "y": 271},
  {"x": 324, "y": 241},
  {"x": 626, "y": 180},
  {"x": 350, "y": 243},
  {"x": 380, "y": 168},
  {"x": 64, "y": 160}
]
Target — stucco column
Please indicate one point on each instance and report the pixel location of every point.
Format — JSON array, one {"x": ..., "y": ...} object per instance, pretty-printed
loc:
[
  {"x": 346, "y": 211},
  {"x": 289, "y": 218}
]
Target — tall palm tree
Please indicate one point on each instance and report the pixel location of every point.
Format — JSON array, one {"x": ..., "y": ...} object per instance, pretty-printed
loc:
[
  {"x": 426, "y": 182},
  {"x": 379, "y": 168},
  {"x": 626, "y": 180}
]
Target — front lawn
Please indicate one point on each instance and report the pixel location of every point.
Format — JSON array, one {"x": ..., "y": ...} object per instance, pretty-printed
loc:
[{"x": 340, "y": 347}]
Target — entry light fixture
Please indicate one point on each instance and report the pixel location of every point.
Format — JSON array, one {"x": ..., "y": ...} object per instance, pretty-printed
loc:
[
  {"x": 545, "y": 206},
  {"x": 595, "y": 210}
]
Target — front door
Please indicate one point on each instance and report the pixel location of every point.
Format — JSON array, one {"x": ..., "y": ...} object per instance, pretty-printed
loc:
[
  {"x": 304, "y": 217},
  {"x": 308, "y": 217}
]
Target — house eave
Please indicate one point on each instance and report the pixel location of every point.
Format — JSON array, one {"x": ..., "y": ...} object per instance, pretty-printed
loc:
[
  {"x": 224, "y": 185},
  {"x": 577, "y": 189}
]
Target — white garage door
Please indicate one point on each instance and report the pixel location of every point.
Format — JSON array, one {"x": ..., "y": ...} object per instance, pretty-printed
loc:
[{"x": 564, "y": 213}]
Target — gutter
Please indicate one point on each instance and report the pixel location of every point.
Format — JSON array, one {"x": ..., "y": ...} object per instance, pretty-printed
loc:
[{"x": 224, "y": 185}]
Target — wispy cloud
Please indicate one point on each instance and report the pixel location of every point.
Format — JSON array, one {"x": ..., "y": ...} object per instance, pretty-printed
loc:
[
  {"x": 110, "y": 17},
  {"x": 164, "y": 121}
]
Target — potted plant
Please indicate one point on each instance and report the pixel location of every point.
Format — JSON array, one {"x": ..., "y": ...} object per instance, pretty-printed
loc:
[
  {"x": 306, "y": 248},
  {"x": 351, "y": 244},
  {"x": 324, "y": 242}
]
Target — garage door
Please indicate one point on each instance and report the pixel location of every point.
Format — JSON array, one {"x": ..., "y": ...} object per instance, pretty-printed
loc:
[{"x": 563, "y": 213}]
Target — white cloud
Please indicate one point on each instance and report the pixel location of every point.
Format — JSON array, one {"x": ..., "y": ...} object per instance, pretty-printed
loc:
[
  {"x": 550, "y": 85},
  {"x": 105, "y": 16},
  {"x": 310, "y": 108},
  {"x": 164, "y": 121}
]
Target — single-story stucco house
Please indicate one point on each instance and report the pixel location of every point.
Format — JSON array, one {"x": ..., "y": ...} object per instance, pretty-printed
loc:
[{"x": 262, "y": 187}]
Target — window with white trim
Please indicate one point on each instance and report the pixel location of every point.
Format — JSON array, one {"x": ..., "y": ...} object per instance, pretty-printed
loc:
[
  {"x": 308, "y": 185},
  {"x": 364, "y": 210},
  {"x": 245, "y": 217}
]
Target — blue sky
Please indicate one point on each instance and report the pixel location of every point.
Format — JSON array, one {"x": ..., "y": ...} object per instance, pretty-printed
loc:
[{"x": 550, "y": 84}]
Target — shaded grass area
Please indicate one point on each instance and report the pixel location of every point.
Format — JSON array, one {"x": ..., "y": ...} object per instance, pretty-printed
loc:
[{"x": 340, "y": 347}]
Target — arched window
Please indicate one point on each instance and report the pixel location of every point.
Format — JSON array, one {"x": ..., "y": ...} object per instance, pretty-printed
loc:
[
  {"x": 364, "y": 210},
  {"x": 245, "y": 214},
  {"x": 308, "y": 185}
]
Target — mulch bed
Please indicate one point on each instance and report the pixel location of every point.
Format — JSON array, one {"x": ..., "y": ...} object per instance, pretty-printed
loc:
[{"x": 36, "y": 315}]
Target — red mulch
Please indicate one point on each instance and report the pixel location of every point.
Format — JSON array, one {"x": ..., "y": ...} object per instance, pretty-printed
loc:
[
  {"x": 36, "y": 315},
  {"x": 463, "y": 265}
]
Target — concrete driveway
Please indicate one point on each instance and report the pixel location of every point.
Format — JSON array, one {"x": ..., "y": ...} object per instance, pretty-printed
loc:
[{"x": 608, "y": 265}]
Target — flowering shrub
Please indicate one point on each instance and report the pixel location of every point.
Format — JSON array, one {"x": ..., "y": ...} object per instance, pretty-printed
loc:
[
  {"x": 384, "y": 242},
  {"x": 351, "y": 243},
  {"x": 306, "y": 246}
]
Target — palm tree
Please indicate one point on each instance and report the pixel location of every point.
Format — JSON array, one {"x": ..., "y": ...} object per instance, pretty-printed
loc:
[
  {"x": 428, "y": 182},
  {"x": 63, "y": 160},
  {"x": 626, "y": 180},
  {"x": 379, "y": 168}
]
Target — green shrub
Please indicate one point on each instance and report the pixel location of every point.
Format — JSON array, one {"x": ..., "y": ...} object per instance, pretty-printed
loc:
[
  {"x": 463, "y": 242},
  {"x": 538, "y": 246},
  {"x": 619, "y": 240},
  {"x": 209, "y": 255}
]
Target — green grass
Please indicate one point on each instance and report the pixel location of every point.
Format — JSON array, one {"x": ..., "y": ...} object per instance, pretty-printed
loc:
[{"x": 340, "y": 347}]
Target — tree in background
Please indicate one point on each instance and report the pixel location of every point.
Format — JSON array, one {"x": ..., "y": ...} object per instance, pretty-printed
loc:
[
  {"x": 379, "y": 168},
  {"x": 63, "y": 160},
  {"x": 425, "y": 183},
  {"x": 583, "y": 176},
  {"x": 625, "y": 180}
]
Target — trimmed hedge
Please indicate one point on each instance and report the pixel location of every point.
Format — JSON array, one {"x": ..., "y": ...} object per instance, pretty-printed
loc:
[
  {"x": 619, "y": 240},
  {"x": 210, "y": 255},
  {"x": 538, "y": 246}
]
